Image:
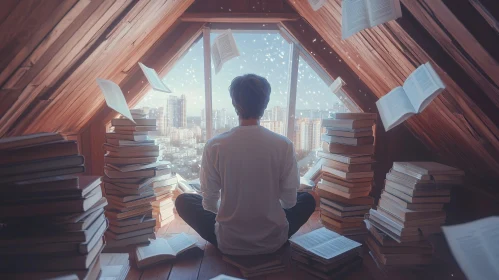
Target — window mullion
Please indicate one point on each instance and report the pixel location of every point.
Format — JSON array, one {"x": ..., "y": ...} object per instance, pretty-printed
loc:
[
  {"x": 293, "y": 83},
  {"x": 207, "y": 82}
]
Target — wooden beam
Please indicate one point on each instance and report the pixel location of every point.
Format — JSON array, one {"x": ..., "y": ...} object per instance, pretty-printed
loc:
[
  {"x": 294, "y": 56},
  {"x": 486, "y": 14},
  {"x": 239, "y": 17},
  {"x": 208, "y": 83},
  {"x": 244, "y": 27}
]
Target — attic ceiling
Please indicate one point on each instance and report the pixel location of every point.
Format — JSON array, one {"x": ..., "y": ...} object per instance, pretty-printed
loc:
[{"x": 51, "y": 52}]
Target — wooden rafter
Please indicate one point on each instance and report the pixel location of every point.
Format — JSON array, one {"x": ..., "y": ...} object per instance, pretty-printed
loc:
[{"x": 239, "y": 17}]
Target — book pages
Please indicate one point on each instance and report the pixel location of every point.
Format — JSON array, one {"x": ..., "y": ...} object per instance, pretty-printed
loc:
[
  {"x": 115, "y": 98},
  {"x": 394, "y": 108},
  {"x": 157, "y": 247},
  {"x": 316, "y": 4},
  {"x": 223, "y": 49},
  {"x": 421, "y": 87},
  {"x": 354, "y": 17},
  {"x": 154, "y": 79},
  {"x": 325, "y": 243},
  {"x": 381, "y": 11},
  {"x": 180, "y": 242},
  {"x": 475, "y": 246}
]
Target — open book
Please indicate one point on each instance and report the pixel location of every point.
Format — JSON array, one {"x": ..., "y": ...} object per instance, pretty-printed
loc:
[
  {"x": 154, "y": 79},
  {"x": 316, "y": 4},
  {"x": 162, "y": 249},
  {"x": 475, "y": 245},
  {"x": 114, "y": 97},
  {"x": 324, "y": 243},
  {"x": 223, "y": 49},
  {"x": 361, "y": 14},
  {"x": 419, "y": 89}
]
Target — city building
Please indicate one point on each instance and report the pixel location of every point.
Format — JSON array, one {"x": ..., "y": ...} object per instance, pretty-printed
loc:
[
  {"x": 307, "y": 134},
  {"x": 176, "y": 111},
  {"x": 275, "y": 126}
]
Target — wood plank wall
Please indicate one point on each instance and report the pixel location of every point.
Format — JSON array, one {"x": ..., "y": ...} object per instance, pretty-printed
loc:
[{"x": 453, "y": 127}]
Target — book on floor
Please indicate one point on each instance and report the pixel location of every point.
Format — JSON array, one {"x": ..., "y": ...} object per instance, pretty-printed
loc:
[
  {"x": 324, "y": 244},
  {"x": 163, "y": 249},
  {"x": 419, "y": 89}
]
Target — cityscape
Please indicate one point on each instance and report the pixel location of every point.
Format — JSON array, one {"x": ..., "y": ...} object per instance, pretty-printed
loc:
[{"x": 181, "y": 138}]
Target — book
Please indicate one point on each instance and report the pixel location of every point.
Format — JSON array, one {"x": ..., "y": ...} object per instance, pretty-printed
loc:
[
  {"x": 16, "y": 142},
  {"x": 352, "y": 182},
  {"x": 129, "y": 143},
  {"x": 347, "y": 149},
  {"x": 343, "y": 206},
  {"x": 135, "y": 220},
  {"x": 413, "y": 199},
  {"x": 411, "y": 206},
  {"x": 359, "y": 15},
  {"x": 135, "y": 167},
  {"x": 338, "y": 273},
  {"x": 347, "y": 175},
  {"x": 355, "y": 201},
  {"x": 42, "y": 174},
  {"x": 153, "y": 79},
  {"x": 342, "y": 224},
  {"x": 348, "y": 140},
  {"x": 343, "y": 194},
  {"x": 326, "y": 184},
  {"x": 420, "y": 169},
  {"x": 406, "y": 214},
  {"x": 127, "y": 137},
  {"x": 140, "y": 239},
  {"x": 399, "y": 259},
  {"x": 52, "y": 207},
  {"x": 474, "y": 246},
  {"x": 132, "y": 154},
  {"x": 138, "y": 122},
  {"x": 346, "y": 159},
  {"x": 41, "y": 165},
  {"x": 254, "y": 263},
  {"x": 224, "y": 48},
  {"x": 130, "y": 234},
  {"x": 342, "y": 214},
  {"x": 38, "y": 152},
  {"x": 163, "y": 249},
  {"x": 402, "y": 248},
  {"x": 225, "y": 277},
  {"x": 389, "y": 185},
  {"x": 114, "y": 266},
  {"x": 359, "y": 132},
  {"x": 366, "y": 167},
  {"x": 128, "y": 160},
  {"x": 353, "y": 116},
  {"x": 131, "y": 129},
  {"x": 147, "y": 223},
  {"x": 324, "y": 244},
  {"x": 145, "y": 173},
  {"x": 347, "y": 123},
  {"x": 114, "y": 97},
  {"x": 419, "y": 89}
]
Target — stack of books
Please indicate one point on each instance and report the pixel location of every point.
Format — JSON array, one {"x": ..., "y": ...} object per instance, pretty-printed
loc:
[
  {"x": 133, "y": 180},
  {"x": 162, "y": 207},
  {"x": 253, "y": 266},
  {"x": 114, "y": 266},
  {"x": 411, "y": 207},
  {"x": 51, "y": 218},
  {"x": 346, "y": 172},
  {"x": 326, "y": 254}
]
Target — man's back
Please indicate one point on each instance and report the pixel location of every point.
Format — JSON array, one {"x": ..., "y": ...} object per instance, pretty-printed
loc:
[{"x": 256, "y": 171}]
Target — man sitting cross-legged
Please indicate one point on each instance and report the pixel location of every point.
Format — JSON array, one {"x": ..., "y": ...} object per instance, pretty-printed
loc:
[{"x": 253, "y": 171}]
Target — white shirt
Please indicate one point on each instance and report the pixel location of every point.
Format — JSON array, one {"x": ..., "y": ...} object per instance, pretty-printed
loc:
[{"x": 254, "y": 172}]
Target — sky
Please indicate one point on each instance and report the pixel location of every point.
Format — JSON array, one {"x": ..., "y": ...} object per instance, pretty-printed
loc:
[{"x": 264, "y": 54}]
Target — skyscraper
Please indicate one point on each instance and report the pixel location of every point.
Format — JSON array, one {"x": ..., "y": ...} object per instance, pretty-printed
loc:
[
  {"x": 307, "y": 134},
  {"x": 176, "y": 111}
]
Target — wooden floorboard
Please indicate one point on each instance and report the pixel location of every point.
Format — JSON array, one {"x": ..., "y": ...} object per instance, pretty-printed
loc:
[{"x": 206, "y": 262}]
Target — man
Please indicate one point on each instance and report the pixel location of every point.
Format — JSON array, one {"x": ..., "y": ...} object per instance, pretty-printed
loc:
[{"x": 254, "y": 172}]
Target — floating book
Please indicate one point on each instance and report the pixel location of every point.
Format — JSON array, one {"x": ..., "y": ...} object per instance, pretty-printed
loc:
[
  {"x": 419, "y": 89},
  {"x": 154, "y": 79},
  {"x": 114, "y": 97},
  {"x": 357, "y": 15},
  {"x": 223, "y": 49}
]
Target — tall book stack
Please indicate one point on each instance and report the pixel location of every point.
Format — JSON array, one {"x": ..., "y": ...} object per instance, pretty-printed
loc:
[
  {"x": 346, "y": 165},
  {"x": 326, "y": 254},
  {"x": 51, "y": 218},
  {"x": 411, "y": 207},
  {"x": 134, "y": 180}
]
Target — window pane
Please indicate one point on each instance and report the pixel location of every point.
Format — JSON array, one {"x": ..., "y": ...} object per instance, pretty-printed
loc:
[
  {"x": 264, "y": 54},
  {"x": 180, "y": 115},
  {"x": 314, "y": 101}
]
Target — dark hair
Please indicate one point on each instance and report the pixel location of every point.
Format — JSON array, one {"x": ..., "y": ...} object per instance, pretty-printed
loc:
[{"x": 250, "y": 95}]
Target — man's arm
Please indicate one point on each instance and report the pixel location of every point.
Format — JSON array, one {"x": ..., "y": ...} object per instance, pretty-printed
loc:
[
  {"x": 210, "y": 183},
  {"x": 290, "y": 179}
]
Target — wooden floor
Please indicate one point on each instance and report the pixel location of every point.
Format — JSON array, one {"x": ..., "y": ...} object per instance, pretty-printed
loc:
[{"x": 206, "y": 263}]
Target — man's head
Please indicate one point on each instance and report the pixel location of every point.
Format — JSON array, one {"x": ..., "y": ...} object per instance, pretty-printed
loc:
[{"x": 250, "y": 95}]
